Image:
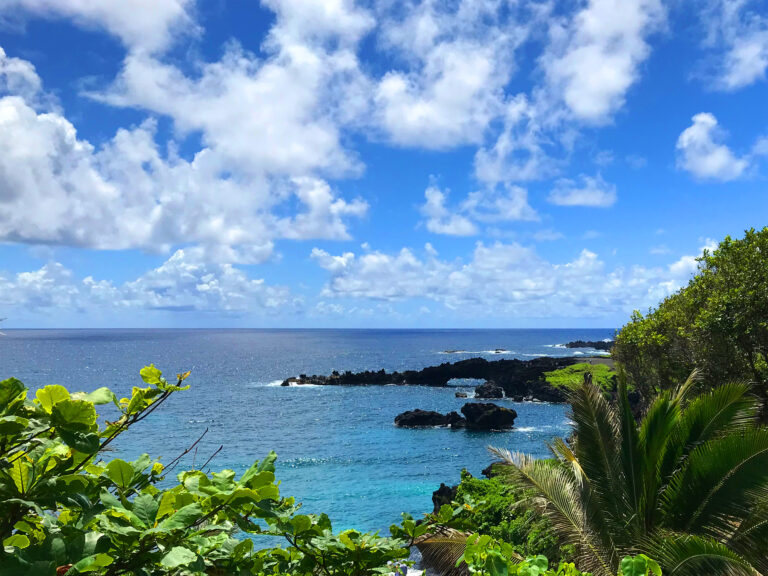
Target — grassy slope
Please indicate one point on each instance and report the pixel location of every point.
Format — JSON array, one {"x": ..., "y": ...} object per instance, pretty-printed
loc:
[{"x": 573, "y": 375}]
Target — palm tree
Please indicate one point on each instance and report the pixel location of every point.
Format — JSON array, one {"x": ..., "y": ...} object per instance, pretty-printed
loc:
[{"x": 687, "y": 486}]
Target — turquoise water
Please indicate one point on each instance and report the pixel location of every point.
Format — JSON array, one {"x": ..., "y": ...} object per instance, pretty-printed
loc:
[{"x": 338, "y": 449}]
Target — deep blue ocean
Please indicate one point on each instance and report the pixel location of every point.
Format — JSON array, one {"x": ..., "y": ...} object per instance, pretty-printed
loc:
[{"x": 338, "y": 450}]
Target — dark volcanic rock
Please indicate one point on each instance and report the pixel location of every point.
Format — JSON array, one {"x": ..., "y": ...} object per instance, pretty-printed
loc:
[
  {"x": 489, "y": 390},
  {"x": 461, "y": 394},
  {"x": 517, "y": 377},
  {"x": 487, "y": 416},
  {"x": 427, "y": 418},
  {"x": 443, "y": 495},
  {"x": 596, "y": 344}
]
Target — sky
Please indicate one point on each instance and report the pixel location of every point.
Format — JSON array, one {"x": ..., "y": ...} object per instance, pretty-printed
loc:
[{"x": 306, "y": 163}]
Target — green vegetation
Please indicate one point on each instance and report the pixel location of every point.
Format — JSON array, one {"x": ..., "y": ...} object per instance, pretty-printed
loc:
[
  {"x": 718, "y": 323},
  {"x": 572, "y": 376},
  {"x": 64, "y": 511},
  {"x": 491, "y": 508},
  {"x": 688, "y": 485}
]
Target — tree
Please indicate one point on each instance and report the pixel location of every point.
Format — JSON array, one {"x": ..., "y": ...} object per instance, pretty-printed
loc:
[
  {"x": 718, "y": 322},
  {"x": 687, "y": 486}
]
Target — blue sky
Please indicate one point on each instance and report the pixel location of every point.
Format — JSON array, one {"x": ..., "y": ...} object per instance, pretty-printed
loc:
[{"x": 474, "y": 163}]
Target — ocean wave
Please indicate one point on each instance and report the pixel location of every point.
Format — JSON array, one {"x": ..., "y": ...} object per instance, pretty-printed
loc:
[{"x": 555, "y": 346}]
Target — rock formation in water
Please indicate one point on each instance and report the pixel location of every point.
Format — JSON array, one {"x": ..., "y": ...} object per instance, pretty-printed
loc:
[
  {"x": 595, "y": 344},
  {"x": 518, "y": 378},
  {"x": 489, "y": 389},
  {"x": 477, "y": 416},
  {"x": 487, "y": 416}
]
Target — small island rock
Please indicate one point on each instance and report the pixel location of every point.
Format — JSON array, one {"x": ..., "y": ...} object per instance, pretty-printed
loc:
[
  {"x": 489, "y": 389},
  {"x": 487, "y": 416}
]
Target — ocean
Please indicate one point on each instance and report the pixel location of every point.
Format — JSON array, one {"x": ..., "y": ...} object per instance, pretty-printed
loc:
[{"x": 338, "y": 449}]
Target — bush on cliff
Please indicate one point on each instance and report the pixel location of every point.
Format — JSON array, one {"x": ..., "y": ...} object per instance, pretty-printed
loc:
[{"x": 718, "y": 322}]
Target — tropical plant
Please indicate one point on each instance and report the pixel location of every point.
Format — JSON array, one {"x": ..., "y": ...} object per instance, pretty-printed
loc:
[
  {"x": 687, "y": 486},
  {"x": 64, "y": 511}
]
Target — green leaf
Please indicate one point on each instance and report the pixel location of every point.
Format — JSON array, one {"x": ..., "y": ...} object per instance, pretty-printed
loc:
[
  {"x": 178, "y": 556},
  {"x": 11, "y": 425},
  {"x": 145, "y": 507},
  {"x": 91, "y": 564},
  {"x": 99, "y": 396},
  {"x": 51, "y": 395},
  {"x": 74, "y": 415},
  {"x": 151, "y": 375},
  {"x": 17, "y": 541},
  {"x": 10, "y": 389},
  {"x": 86, "y": 442},
  {"x": 183, "y": 518},
  {"x": 636, "y": 566},
  {"x": 120, "y": 472},
  {"x": 301, "y": 523},
  {"x": 497, "y": 566}
]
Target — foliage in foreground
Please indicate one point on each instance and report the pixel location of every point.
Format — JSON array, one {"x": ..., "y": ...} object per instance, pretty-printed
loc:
[
  {"x": 718, "y": 323},
  {"x": 687, "y": 486},
  {"x": 64, "y": 512},
  {"x": 492, "y": 507}
]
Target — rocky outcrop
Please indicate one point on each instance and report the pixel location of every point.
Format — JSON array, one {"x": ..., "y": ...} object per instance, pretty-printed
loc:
[
  {"x": 487, "y": 416},
  {"x": 460, "y": 394},
  {"x": 518, "y": 378},
  {"x": 443, "y": 495},
  {"x": 428, "y": 418},
  {"x": 594, "y": 344},
  {"x": 489, "y": 389}
]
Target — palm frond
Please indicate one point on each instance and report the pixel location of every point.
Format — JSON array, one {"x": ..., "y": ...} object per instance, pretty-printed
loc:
[
  {"x": 557, "y": 495},
  {"x": 691, "y": 555},
  {"x": 441, "y": 550},
  {"x": 722, "y": 482}
]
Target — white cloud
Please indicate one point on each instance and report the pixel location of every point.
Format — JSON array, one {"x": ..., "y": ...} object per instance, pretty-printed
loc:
[
  {"x": 19, "y": 77},
  {"x": 140, "y": 24},
  {"x": 591, "y": 191},
  {"x": 506, "y": 203},
  {"x": 439, "y": 218},
  {"x": 126, "y": 195},
  {"x": 459, "y": 58},
  {"x": 488, "y": 205},
  {"x": 738, "y": 38},
  {"x": 185, "y": 282},
  {"x": 701, "y": 153},
  {"x": 509, "y": 279},
  {"x": 594, "y": 57}
]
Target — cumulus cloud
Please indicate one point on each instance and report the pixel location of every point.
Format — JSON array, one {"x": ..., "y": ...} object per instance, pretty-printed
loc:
[
  {"x": 457, "y": 59},
  {"x": 503, "y": 278},
  {"x": 126, "y": 195},
  {"x": 738, "y": 39},
  {"x": 139, "y": 24},
  {"x": 594, "y": 57},
  {"x": 701, "y": 152},
  {"x": 440, "y": 220},
  {"x": 589, "y": 191},
  {"x": 185, "y": 282},
  {"x": 494, "y": 204}
]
